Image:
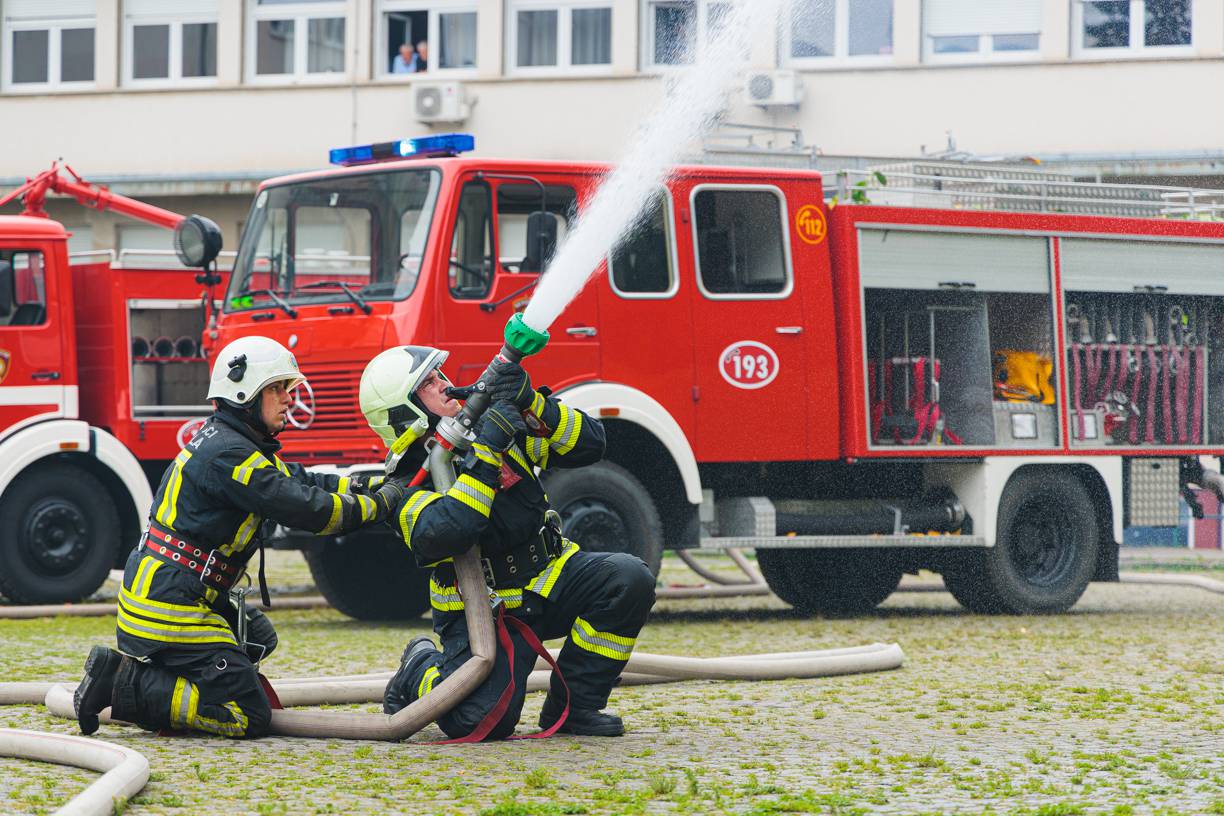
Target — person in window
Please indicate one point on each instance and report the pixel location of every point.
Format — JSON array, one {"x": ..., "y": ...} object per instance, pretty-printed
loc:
[
  {"x": 597, "y": 601},
  {"x": 403, "y": 61},
  {"x": 420, "y": 61}
]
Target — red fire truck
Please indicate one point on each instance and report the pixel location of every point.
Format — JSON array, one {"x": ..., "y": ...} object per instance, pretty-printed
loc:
[
  {"x": 982, "y": 372},
  {"x": 100, "y": 367}
]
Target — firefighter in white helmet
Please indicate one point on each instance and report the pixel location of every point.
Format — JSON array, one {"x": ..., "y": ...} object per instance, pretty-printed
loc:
[
  {"x": 188, "y": 647},
  {"x": 597, "y": 601}
]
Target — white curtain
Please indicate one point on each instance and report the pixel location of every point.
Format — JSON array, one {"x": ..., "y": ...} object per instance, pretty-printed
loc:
[
  {"x": 457, "y": 33},
  {"x": 537, "y": 37},
  {"x": 591, "y": 40}
]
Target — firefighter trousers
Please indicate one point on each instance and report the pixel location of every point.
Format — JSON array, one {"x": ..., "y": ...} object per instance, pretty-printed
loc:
[
  {"x": 216, "y": 691},
  {"x": 599, "y": 604}
]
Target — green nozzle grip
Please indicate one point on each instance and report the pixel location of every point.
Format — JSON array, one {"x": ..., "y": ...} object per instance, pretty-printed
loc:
[{"x": 522, "y": 338}]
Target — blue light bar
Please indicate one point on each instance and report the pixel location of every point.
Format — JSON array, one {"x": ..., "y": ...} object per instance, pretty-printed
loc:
[{"x": 443, "y": 144}]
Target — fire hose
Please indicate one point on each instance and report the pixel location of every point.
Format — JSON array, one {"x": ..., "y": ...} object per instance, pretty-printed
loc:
[{"x": 124, "y": 771}]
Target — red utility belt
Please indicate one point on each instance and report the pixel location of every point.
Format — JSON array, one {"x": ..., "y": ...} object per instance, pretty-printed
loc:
[{"x": 213, "y": 569}]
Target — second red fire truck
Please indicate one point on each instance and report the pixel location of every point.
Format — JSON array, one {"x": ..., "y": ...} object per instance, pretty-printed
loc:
[{"x": 982, "y": 372}]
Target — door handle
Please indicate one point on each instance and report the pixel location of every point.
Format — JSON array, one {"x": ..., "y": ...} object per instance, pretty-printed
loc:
[
  {"x": 581, "y": 331},
  {"x": 45, "y": 375},
  {"x": 789, "y": 329}
]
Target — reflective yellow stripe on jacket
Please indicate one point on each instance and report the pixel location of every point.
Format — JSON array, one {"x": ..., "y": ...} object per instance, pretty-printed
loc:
[
  {"x": 143, "y": 617},
  {"x": 167, "y": 511}
]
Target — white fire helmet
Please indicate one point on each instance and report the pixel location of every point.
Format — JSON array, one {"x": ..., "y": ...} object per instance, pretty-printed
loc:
[
  {"x": 387, "y": 386},
  {"x": 248, "y": 365}
]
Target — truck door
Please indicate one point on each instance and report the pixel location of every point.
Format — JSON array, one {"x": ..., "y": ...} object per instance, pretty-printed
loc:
[
  {"x": 645, "y": 314},
  {"x": 751, "y": 399},
  {"x": 490, "y": 278},
  {"x": 34, "y": 369}
]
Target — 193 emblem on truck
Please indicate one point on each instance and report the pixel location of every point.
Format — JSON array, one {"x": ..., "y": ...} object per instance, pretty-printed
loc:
[{"x": 748, "y": 364}]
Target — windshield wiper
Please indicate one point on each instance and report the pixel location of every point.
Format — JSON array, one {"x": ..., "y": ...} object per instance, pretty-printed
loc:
[
  {"x": 276, "y": 298},
  {"x": 335, "y": 284}
]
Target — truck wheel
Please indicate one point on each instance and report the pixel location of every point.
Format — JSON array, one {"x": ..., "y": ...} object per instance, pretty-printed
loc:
[
  {"x": 1045, "y": 554},
  {"x": 829, "y": 582},
  {"x": 370, "y": 575},
  {"x": 605, "y": 509},
  {"x": 59, "y": 535}
]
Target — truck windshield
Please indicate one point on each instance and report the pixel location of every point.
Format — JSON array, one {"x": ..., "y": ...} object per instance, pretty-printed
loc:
[{"x": 327, "y": 240}]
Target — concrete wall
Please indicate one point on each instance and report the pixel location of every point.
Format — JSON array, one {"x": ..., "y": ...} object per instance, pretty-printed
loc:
[{"x": 1057, "y": 103}]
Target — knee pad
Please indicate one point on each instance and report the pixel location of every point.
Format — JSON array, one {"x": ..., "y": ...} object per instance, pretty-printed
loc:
[{"x": 637, "y": 583}]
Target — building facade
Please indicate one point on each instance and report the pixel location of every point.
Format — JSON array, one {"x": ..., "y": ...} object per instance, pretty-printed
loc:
[{"x": 188, "y": 103}]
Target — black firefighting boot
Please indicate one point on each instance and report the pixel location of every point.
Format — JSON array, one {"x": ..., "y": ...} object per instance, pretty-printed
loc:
[
  {"x": 94, "y": 692},
  {"x": 583, "y": 722},
  {"x": 398, "y": 693}
]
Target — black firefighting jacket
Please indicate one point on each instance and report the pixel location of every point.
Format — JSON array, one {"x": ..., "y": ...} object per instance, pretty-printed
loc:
[
  {"x": 216, "y": 495},
  {"x": 498, "y": 503}
]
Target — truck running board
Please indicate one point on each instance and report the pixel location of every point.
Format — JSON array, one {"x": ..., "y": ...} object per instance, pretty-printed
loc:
[{"x": 841, "y": 541}]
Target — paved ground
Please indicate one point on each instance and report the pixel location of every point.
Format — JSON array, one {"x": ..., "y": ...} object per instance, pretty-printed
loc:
[{"x": 1115, "y": 708}]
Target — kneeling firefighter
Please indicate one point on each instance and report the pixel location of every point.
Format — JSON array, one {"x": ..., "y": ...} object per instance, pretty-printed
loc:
[
  {"x": 188, "y": 646},
  {"x": 544, "y": 582}
]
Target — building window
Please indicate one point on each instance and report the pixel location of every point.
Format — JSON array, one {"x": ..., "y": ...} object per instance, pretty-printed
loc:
[
  {"x": 829, "y": 31},
  {"x": 972, "y": 31},
  {"x": 297, "y": 39},
  {"x": 48, "y": 46},
  {"x": 1125, "y": 27},
  {"x": 676, "y": 31},
  {"x": 161, "y": 48},
  {"x": 421, "y": 37},
  {"x": 559, "y": 35}
]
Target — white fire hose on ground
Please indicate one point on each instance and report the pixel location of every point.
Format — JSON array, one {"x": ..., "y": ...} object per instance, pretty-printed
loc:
[{"x": 124, "y": 771}]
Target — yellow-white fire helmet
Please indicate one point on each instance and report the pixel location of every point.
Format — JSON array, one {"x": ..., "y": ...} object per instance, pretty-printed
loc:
[
  {"x": 388, "y": 386},
  {"x": 246, "y": 366}
]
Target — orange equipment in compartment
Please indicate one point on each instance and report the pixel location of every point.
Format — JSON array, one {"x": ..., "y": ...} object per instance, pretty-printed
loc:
[{"x": 1023, "y": 376}]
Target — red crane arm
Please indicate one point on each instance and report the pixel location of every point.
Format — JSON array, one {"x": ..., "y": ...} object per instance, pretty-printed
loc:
[{"x": 90, "y": 195}]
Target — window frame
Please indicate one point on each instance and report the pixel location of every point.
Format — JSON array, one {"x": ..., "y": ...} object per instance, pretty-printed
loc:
[
  {"x": 1136, "y": 49},
  {"x": 54, "y": 26},
  {"x": 646, "y": 33},
  {"x": 434, "y": 10},
  {"x": 784, "y": 222},
  {"x": 565, "y": 31},
  {"x": 176, "y": 23},
  {"x": 841, "y": 57},
  {"x": 673, "y": 258},
  {"x": 983, "y": 53},
  {"x": 300, "y": 14}
]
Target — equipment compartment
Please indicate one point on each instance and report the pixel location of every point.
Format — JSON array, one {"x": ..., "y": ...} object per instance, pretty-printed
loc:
[
  {"x": 958, "y": 338},
  {"x": 169, "y": 372}
]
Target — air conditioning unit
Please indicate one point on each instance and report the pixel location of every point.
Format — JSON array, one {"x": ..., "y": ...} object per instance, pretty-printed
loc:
[
  {"x": 773, "y": 88},
  {"x": 439, "y": 102}
]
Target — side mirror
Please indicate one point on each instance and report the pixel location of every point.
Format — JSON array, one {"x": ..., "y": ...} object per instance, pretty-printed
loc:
[
  {"x": 197, "y": 241},
  {"x": 541, "y": 241}
]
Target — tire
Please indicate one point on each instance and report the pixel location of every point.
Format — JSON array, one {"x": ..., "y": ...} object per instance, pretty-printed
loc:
[
  {"x": 370, "y": 575},
  {"x": 59, "y": 535},
  {"x": 1045, "y": 554},
  {"x": 830, "y": 582},
  {"x": 605, "y": 508}
]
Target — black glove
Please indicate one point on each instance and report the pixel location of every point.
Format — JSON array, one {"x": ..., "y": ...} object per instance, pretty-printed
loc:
[
  {"x": 260, "y": 635},
  {"x": 510, "y": 382},
  {"x": 499, "y": 425},
  {"x": 388, "y": 497}
]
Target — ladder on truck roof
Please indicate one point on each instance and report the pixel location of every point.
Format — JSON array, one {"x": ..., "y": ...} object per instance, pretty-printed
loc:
[{"x": 949, "y": 185}]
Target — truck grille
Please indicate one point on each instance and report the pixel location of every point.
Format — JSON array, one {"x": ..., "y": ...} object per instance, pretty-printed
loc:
[
  {"x": 335, "y": 394},
  {"x": 339, "y": 433}
]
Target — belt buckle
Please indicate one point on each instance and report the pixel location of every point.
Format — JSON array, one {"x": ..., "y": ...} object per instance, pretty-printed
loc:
[{"x": 208, "y": 562}]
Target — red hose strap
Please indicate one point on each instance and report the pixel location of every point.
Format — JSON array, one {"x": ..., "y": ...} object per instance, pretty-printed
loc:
[
  {"x": 1075, "y": 390},
  {"x": 1164, "y": 395},
  {"x": 1196, "y": 427},
  {"x": 1149, "y": 432},
  {"x": 1134, "y": 420},
  {"x": 270, "y": 693},
  {"x": 538, "y": 648},
  {"x": 1183, "y": 394}
]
